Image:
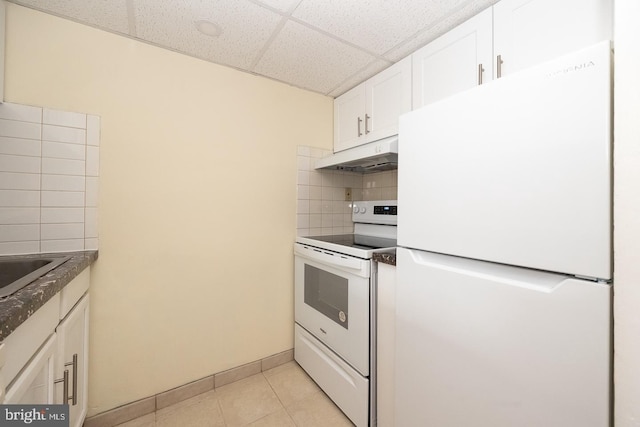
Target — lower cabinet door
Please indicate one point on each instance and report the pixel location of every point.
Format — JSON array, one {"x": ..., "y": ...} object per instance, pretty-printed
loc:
[
  {"x": 72, "y": 357},
  {"x": 343, "y": 384},
  {"x": 35, "y": 384}
]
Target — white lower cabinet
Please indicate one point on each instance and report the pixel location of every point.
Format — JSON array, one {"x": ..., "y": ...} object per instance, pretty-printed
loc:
[
  {"x": 35, "y": 383},
  {"x": 71, "y": 361},
  {"x": 45, "y": 360}
]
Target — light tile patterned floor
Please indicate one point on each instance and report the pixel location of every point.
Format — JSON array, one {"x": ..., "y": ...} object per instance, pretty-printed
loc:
[{"x": 280, "y": 397}]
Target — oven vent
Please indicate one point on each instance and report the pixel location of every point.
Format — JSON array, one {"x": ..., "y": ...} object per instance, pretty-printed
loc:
[{"x": 375, "y": 156}]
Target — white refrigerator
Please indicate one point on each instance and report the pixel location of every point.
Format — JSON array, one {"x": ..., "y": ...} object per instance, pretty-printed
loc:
[{"x": 503, "y": 300}]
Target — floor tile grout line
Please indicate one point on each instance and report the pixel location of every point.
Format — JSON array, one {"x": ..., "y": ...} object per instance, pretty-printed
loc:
[{"x": 279, "y": 399}]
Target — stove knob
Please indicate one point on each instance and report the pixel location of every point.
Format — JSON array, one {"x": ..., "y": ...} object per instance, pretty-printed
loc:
[
  {"x": 363, "y": 209},
  {"x": 355, "y": 209}
]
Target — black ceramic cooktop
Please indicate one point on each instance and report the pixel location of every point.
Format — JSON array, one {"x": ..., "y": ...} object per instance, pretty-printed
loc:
[{"x": 357, "y": 241}]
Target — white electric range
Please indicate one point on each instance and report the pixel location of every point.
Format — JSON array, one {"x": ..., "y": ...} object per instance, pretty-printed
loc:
[{"x": 335, "y": 306}]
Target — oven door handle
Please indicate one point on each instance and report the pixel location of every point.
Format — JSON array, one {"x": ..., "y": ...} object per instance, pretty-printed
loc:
[{"x": 334, "y": 259}]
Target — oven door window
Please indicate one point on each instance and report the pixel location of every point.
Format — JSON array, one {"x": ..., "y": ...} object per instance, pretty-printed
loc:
[{"x": 327, "y": 293}]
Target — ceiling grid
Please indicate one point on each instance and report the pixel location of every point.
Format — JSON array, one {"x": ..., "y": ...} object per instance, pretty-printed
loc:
[{"x": 326, "y": 46}]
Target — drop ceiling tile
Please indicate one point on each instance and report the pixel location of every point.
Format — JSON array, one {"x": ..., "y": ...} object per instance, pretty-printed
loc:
[
  {"x": 360, "y": 76},
  {"x": 111, "y": 15},
  {"x": 441, "y": 26},
  {"x": 245, "y": 28},
  {"x": 375, "y": 25},
  {"x": 308, "y": 59}
]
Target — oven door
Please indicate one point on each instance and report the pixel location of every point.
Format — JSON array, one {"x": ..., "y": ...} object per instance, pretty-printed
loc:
[{"x": 332, "y": 302}]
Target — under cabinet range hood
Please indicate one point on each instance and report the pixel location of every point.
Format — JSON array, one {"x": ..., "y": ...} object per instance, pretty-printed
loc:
[{"x": 375, "y": 156}]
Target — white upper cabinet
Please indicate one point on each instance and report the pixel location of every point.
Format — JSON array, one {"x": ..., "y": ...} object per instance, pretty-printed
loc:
[
  {"x": 348, "y": 117},
  {"x": 512, "y": 35},
  {"x": 528, "y": 32},
  {"x": 456, "y": 61},
  {"x": 370, "y": 111},
  {"x": 388, "y": 95}
]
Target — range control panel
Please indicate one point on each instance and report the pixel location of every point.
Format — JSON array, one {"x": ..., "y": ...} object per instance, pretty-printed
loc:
[
  {"x": 375, "y": 212},
  {"x": 385, "y": 210}
]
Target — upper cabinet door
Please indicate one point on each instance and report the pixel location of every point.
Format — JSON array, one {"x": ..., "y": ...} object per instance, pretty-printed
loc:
[
  {"x": 388, "y": 95},
  {"x": 370, "y": 111},
  {"x": 348, "y": 119},
  {"x": 527, "y": 32},
  {"x": 456, "y": 61}
]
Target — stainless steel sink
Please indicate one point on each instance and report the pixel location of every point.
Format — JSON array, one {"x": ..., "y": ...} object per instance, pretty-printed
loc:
[{"x": 15, "y": 274}]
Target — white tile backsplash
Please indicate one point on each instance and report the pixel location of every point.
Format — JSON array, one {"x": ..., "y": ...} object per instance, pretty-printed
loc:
[
  {"x": 19, "y": 146},
  {"x": 91, "y": 222},
  {"x": 91, "y": 191},
  {"x": 60, "y": 150},
  {"x": 91, "y": 244},
  {"x": 62, "y": 245},
  {"x": 19, "y": 181},
  {"x": 19, "y": 215},
  {"x": 64, "y": 134},
  {"x": 93, "y": 130},
  {"x": 19, "y": 232},
  {"x": 328, "y": 212},
  {"x": 60, "y": 199},
  {"x": 24, "y": 164},
  {"x": 64, "y": 118},
  {"x": 19, "y": 198},
  {"x": 63, "y": 183},
  {"x": 16, "y": 129},
  {"x": 16, "y": 248},
  {"x": 22, "y": 113},
  {"x": 62, "y": 215},
  {"x": 49, "y": 167},
  {"x": 63, "y": 166},
  {"x": 62, "y": 231},
  {"x": 93, "y": 161},
  {"x": 303, "y": 206},
  {"x": 303, "y": 192}
]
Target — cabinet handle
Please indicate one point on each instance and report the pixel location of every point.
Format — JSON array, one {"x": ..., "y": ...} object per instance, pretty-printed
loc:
[
  {"x": 366, "y": 123},
  {"x": 65, "y": 382},
  {"x": 480, "y": 71},
  {"x": 359, "y": 122},
  {"x": 65, "y": 385},
  {"x": 499, "y": 62},
  {"x": 74, "y": 393}
]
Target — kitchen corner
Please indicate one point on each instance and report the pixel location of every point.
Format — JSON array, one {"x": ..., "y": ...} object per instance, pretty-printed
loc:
[
  {"x": 18, "y": 307},
  {"x": 220, "y": 134}
]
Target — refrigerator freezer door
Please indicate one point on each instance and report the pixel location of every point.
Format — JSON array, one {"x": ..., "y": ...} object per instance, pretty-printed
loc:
[
  {"x": 487, "y": 345},
  {"x": 517, "y": 171}
]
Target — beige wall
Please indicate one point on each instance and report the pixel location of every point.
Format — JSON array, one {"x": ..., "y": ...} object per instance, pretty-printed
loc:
[
  {"x": 627, "y": 214},
  {"x": 188, "y": 282}
]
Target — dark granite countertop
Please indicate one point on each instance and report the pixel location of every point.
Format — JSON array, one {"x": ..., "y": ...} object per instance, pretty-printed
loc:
[
  {"x": 385, "y": 258},
  {"x": 16, "y": 308}
]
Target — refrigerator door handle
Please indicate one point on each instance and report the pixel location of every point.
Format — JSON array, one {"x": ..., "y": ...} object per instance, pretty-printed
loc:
[{"x": 539, "y": 281}]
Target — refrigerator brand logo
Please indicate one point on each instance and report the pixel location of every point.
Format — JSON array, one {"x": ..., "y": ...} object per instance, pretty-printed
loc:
[{"x": 573, "y": 68}]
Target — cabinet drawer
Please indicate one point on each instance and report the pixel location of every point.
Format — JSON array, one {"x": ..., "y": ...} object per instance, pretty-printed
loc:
[{"x": 73, "y": 291}]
